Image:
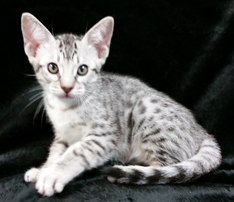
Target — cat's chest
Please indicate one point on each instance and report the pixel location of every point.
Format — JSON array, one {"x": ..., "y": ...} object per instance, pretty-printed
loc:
[{"x": 70, "y": 125}]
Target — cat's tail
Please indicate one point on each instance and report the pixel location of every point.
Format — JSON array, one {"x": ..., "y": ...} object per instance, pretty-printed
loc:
[{"x": 207, "y": 159}]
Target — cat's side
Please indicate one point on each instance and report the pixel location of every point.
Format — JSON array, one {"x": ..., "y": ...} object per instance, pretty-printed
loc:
[{"x": 98, "y": 116}]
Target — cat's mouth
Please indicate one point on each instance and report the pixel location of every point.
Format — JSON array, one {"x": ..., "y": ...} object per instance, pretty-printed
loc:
[{"x": 65, "y": 96}]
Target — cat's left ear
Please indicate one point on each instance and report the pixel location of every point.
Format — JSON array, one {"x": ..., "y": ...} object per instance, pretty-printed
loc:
[{"x": 100, "y": 35}]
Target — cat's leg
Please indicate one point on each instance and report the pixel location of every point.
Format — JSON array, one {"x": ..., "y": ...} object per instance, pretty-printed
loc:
[
  {"x": 57, "y": 148},
  {"x": 92, "y": 152}
]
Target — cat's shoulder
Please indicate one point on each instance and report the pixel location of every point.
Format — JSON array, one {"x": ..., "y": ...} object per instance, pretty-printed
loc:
[{"x": 118, "y": 78}]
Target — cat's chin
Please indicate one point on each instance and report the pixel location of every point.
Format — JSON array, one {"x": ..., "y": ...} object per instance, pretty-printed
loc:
[{"x": 65, "y": 97}]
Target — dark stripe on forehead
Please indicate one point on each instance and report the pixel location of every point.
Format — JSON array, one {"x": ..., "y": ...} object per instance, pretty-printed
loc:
[{"x": 67, "y": 45}]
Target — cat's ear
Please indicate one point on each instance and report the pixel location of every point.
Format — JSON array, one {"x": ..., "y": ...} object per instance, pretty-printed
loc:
[
  {"x": 100, "y": 35},
  {"x": 34, "y": 34}
]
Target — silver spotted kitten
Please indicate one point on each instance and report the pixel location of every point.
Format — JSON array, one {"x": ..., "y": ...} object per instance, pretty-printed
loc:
[{"x": 98, "y": 116}]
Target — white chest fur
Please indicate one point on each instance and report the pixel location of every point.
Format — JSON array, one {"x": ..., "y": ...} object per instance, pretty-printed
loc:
[{"x": 69, "y": 125}]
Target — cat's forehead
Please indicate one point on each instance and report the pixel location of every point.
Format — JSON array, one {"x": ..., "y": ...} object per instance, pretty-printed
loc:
[
  {"x": 67, "y": 44},
  {"x": 67, "y": 40}
]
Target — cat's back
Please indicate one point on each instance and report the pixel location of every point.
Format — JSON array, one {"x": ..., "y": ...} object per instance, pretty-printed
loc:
[{"x": 124, "y": 85}]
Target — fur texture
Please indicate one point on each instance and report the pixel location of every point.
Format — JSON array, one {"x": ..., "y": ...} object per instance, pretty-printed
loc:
[{"x": 98, "y": 116}]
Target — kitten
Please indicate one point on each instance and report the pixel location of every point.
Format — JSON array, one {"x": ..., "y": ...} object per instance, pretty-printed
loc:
[{"x": 98, "y": 116}]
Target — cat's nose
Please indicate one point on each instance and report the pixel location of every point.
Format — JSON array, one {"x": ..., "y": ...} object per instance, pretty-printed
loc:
[{"x": 66, "y": 90}]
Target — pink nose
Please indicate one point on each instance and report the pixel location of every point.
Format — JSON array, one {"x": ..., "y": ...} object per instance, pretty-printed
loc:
[{"x": 66, "y": 90}]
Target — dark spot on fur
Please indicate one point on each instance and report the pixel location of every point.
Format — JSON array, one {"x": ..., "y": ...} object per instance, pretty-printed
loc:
[
  {"x": 113, "y": 171},
  {"x": 155, "y": 177},
  {"x": 105, "y": 117},
  {"x": 101, "y": 125},
  {"x": 84, "y": 159},
  {"x": 152, "y": 125},
  {"x": 142, "y": 110},
  {"x": 171, "y": 129},
  {"x": 94, "y": 125},
  {"x": 161, "y": 139},
  {"x": 61, "y": 44},
  {"x": 179, "y": 177},
  {"x": 137, "y": 161},
  {"x": 157, "y": 111},
  {"x": 140, "y": 103},
  {"x": 136, "y": 176},
  {"x": 81, "y": 124},
  {"x": 129, "y": 124},
  {"x": 82, "y": 156},
  {"x": 87, "y": 148},
  {"x": 154, "y": 100},
  {"x": 161, "y": 152},
  {"x": 182, "y": 128},
  {"x": 141, "y": 123},
  {"x": 153, "y": 133},
  {"x": 150, "y": 118},
  {"x": 114, "y": 142},
  {"x": 161, "y": 159},
  {"x": 169, "y": 118},
  {"x": 128, "y": 104},
  {"x": 75, "y": 152},
  {"x": 99, "y": 144},
  {"x": 98, "y": 153}
]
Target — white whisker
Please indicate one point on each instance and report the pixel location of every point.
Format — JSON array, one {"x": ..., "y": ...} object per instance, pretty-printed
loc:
[
  {"x": 36, "y": 95},
  {"x": 40, "y": 105},
  {"x": 35, "y": 98},
  {"x": 43, "y": 112}
]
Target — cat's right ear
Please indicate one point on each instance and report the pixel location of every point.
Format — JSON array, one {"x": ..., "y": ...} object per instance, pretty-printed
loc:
[{"x": 34, "y": 33}]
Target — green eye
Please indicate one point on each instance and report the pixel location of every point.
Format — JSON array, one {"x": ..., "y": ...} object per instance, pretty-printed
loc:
[
  {"x": 82, "y": 70},
  {"x": 53, "y": 68}
]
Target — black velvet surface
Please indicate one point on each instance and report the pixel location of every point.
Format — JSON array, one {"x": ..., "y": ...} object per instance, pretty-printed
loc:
[{"x": 183, "y": 48}]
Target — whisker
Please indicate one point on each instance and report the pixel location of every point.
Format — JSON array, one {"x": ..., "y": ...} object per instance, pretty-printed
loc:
[
  {"x": 31, "y": 102},
  {"x": 37, "y": 88},
  {"x": 32, "y": 75},
  {"x": 43, "y": 112},
  {"x": 40, "y": 105},
  {"x": 36, "y": 95}
]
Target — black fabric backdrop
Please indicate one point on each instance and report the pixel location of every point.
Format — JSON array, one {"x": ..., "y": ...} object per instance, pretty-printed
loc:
[{"x": 183, "y": 48}]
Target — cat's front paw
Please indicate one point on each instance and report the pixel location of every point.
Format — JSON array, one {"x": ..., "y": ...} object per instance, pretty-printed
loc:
[
  {"x": 51, "y": 180},
  {"x": 31, "y": 175}
]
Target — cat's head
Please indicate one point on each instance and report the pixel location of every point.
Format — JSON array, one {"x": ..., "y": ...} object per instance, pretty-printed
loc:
[{"x": 66, "y": 63}]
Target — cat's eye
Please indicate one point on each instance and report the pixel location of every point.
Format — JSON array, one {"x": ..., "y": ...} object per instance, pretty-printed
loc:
[
  {"x": 82, "y": 70},
  {"x": 53, "y": 68}
]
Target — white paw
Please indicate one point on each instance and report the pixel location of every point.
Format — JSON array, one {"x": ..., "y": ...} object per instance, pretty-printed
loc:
[
  {"x": 111, "y": 179},
  {"x": 51, "y": 180},
  {"x": 31, "y": 175}
]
